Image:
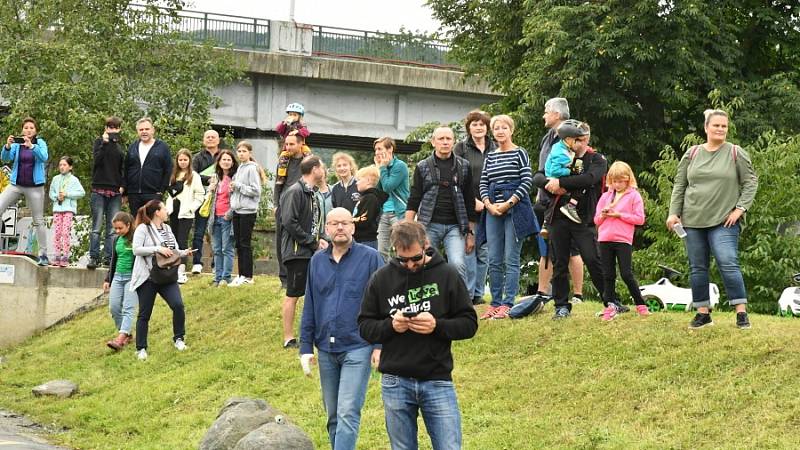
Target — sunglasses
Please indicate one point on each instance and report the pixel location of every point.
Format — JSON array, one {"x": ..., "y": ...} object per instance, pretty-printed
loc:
[{"x": 405, "y": 259}]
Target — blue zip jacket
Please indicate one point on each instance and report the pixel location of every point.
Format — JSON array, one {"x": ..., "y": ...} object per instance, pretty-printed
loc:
[
  {"x": 333, "y": 299},
  {"x": 72, "y": 192},
  {"x": 558, "y": 162},
  {"x": 394, "y": 181},
  {"x": 40, "y": 157}
]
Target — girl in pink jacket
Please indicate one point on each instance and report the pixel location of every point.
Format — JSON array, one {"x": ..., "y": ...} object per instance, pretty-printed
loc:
[{"x": 619, "y": 210}]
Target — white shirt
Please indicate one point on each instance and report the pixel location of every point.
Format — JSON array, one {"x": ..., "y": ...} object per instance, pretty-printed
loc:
[{"x": 144, "y": 149}]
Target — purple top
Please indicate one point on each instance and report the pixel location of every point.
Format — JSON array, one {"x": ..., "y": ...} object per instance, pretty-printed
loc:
[{"x": 25, "y": 167}]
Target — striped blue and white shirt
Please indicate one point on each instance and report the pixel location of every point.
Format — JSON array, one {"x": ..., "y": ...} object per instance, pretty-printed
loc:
[{"x": 507, "y": 167}]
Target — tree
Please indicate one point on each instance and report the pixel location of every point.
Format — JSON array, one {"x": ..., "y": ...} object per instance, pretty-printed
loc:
[
  {"x": 638, "y": 71},
  {"x": 70, "y": 63}
]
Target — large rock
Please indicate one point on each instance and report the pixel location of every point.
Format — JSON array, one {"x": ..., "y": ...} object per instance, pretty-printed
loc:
[
  {"x": 275, "y": 436},
  {"x": 237, "y": 418},
  {"x": 58, "y": 388}
]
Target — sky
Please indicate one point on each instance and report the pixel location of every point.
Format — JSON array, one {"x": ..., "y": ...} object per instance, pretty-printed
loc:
[{"x": 369, "y": 15}]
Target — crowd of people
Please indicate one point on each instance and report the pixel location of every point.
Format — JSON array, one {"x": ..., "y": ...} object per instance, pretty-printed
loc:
[{"x": 391, "y": 264}]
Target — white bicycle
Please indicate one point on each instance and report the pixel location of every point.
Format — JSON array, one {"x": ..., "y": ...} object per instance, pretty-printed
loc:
[{"x": 663, "y": 295}]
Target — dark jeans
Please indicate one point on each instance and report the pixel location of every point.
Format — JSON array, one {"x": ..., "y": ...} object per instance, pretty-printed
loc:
[
  {"x": 171, "y": 293},
  {"x": 103, "y": 211},
  {"x": 136, "y": 201},
  {"x": 200, "y": 225},
  {"x": 563, "y": 234},
  {"x": 181, "y": 229},
  {"x": 611, "y": 254},
  {"x": 243, "y": 237}
]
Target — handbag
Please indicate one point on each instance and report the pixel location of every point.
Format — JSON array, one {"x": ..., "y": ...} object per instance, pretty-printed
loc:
[
  {"x": 165, "y": 268},
  {"x": 205, "y": 208}
]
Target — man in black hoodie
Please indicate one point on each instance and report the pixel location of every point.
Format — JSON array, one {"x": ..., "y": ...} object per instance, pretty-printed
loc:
[
  {"x": 148, "y": 166},
  {"x": 108, "y": 184},
  {"x": 415, "y": 307}
]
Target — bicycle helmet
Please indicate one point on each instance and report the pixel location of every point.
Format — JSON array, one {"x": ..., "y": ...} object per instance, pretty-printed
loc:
[
  {"x": 570, "y": 128},
  {"x": 296, "y": 108}
]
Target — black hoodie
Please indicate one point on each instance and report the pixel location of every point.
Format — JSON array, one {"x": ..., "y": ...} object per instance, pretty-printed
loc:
[
  {"x": 437, "y": 289},
  {"x": 369, "y": 205}
]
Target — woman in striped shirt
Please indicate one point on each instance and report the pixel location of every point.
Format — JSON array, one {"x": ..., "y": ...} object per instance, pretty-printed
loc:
[{"x": 505, "y": 185}]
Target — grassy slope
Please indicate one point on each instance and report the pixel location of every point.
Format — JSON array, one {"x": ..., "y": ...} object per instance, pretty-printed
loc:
[{"x": 632, "y": 383}]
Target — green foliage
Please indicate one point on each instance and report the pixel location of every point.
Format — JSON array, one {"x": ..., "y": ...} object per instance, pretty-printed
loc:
[
  {"x": 638, "y": 71},
  {"x": 72, "y": 63},
  {"x": 424, "y": 134},
  {"x": 652, "y": 368}
]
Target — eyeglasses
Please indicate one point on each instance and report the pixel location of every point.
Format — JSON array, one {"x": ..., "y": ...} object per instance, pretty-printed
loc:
[
  {"x": 405, "y": 259},
  {"x": 341, "y": 223}
]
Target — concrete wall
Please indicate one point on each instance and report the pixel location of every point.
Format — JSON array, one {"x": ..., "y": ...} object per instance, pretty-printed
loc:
[{"x": 39, "y": 297}]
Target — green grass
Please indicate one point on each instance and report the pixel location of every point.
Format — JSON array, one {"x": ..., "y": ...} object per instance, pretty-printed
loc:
[{"x": 631, "y": 383}]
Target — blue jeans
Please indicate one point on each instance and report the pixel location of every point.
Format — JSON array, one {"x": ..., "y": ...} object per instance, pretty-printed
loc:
[
  {"x": 385, "y": 233},
  {"x": 453, "y": 240},
  {"x": 504, "y": 250},
  {"x": 222, "y": 242},
  {"x": 723, "y": 243},
  {"x": 200, "y": 225},
  {"x": 103, "y": 207},
  {"x": 404, "y": 398},
  {"x": 122, "y": 302},
  {"x": 477, "y": 264},
  {"x": 344, "y": 377}
]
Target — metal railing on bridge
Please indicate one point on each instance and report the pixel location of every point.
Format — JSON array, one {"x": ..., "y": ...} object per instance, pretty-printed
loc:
[{"x": 250, "y": 33}]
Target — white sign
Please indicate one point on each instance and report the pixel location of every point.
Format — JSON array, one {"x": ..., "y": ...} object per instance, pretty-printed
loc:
[
  {"x": 6, "y": 274},
  {"x": 8, "y": 226}
]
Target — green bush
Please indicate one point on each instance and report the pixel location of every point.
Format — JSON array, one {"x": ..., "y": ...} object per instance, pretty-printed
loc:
[{"x": 768, "y": 254}]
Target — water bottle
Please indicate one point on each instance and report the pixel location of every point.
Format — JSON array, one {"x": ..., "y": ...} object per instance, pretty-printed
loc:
[{"x": 678, "y": 229}]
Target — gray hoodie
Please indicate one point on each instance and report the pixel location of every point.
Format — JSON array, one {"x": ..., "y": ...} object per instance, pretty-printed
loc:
[{"x": 246, "y": 190}]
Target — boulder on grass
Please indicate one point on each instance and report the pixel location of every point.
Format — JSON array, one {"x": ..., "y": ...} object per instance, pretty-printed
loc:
[
  {"x": 57, "y": 388},
  {"x": 237, "y": 418},
  {"x": 276, "y": 436}
]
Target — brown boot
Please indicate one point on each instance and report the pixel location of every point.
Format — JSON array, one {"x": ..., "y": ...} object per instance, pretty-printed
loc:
[
  {"x": 128, "y": 339},
  {"x": 118, "y": 342}
]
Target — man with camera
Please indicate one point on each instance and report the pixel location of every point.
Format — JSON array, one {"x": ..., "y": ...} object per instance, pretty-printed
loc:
[
  {"x": 108, "y": 182},
  {"x": 415, "y": 306},
  {"x": 337, "y": 277},
  {"x": 148, "y": 166}
]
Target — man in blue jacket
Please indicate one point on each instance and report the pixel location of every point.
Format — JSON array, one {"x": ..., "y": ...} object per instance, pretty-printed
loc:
[
  {"x": 148, "y": 166},
  {"x": 337, "y": 278}
]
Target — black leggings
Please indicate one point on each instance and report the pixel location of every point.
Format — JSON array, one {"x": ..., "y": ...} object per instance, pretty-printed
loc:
[
  {"x": 181, "y": 228},
  {"x": 243, "y": 237},
  {"x": 612, "y": 253},
  {"x": 147, "y": 299}
]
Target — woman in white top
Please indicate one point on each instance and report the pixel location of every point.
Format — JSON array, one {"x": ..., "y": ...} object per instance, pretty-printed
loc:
[{"x": 185, "y": 195}]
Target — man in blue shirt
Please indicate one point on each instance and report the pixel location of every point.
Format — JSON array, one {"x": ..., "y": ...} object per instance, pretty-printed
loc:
[{"x": 337, "y": 279}]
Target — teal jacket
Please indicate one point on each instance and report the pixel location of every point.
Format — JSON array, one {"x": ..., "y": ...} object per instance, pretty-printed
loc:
[
  {"x": 40, "y": 156},
  {"x": 394, "y": 182},
  {"x": 73, "y": 190}
]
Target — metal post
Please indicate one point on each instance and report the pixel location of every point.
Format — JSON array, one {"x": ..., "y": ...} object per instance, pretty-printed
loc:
[
  {"x": 205, "y": 26},
  {"x": 255, "y": 33}
]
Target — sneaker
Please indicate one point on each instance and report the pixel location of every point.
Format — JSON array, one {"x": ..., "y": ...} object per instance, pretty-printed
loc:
[
  {"x": 141, "y": 355},
  {"x": 197, "y": 268},
  {"x": 544, "y": 233},
  {"x": 478, "y": 300},
  {"x": 291, "y": 343},
  {"x": 562, "y": 312},
  {"x": 214, "y": 283},
  {"x": 247, "y": 281},
  {"x": 180, "y": 345},
  {"x": 501, "y": 312},
  {"x": 65, "y": 261},
  {"x": 93, "y": 263},
  {"x": 182, "y": 278},
  {"x": 609, "y": 312},
  {"x": 570, "y": 212},
  {"x": 742, "y": 321},
  {"x": 222, "y": 283},
  {"x": 236, "y": 281},
  {"x": 642, "y": 310},
  {"x": 701, "y": 320},
  {"x": 489, "y": 313},
  {"x": 577, "y": 298},
  {"x": 43, "y": 261}
]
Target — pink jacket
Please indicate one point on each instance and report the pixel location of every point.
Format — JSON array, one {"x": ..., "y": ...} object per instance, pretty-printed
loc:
[{"x": 619, "y": 229}]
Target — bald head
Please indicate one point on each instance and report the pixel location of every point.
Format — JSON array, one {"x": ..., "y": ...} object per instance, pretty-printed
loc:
[
  {"x": 339, "y": 227},
  {"x": 211, "y": 140}
]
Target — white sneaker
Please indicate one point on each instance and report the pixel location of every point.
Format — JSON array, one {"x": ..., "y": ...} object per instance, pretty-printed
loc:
[
  {"x": 197, "y": 268},
  {"x": 247, "y": 281},
  {"x": 141, "y": 355},
  {"x": 182, "y": 278},
  {"x": 180, "y": 345},
  {"x": 236, "y": 281}
]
